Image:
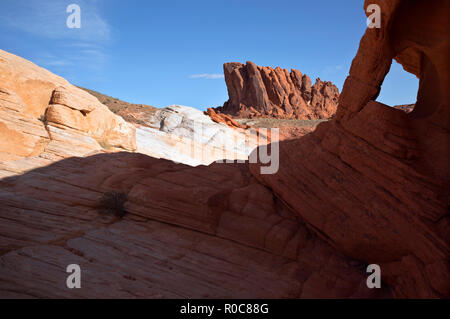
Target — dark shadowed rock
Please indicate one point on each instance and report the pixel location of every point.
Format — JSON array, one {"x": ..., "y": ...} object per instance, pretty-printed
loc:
[{"x": 374, "y": 181}]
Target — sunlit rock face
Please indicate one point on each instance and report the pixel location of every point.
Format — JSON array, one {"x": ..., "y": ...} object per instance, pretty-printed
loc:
[
  {"x": 43, "y": 118},
  {"x": 256, "y": 91}
]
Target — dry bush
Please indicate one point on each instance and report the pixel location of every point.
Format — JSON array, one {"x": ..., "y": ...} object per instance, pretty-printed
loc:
[{"x": 113, "y": 203}]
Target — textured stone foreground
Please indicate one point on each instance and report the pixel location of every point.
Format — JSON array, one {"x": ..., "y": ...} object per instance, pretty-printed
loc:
[{"x": 190, "y": 232}]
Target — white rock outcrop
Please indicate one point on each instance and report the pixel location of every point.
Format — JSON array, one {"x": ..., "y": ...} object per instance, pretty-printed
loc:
[{"x": 186, "y": 135}]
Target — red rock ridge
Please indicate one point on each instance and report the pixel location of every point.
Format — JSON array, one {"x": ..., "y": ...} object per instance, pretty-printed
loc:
[{"x": 256, "y": 91}]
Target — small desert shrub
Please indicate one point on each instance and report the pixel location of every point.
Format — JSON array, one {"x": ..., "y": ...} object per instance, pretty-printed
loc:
[
  {"x": 43, "y": 118},
  {"x": 113, "y": 203}
]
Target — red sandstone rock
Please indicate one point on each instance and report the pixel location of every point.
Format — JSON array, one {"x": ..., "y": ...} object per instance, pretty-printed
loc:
[
  {"x": 203, "y": 232},
  {"x": 43, "y": 115},
  {"x": 224, "y": 119},
  {"x": 408, "y": 108},
  {"x": 256, "y": 91},
  {"x": 374, "y": 182},
  {"x": 285, "y": 132}
]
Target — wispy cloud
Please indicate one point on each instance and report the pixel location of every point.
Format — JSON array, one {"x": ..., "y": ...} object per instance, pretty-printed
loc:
[
  {"x": 70, "y": 60},
  {"x": 47, "y": 18},
  {"x": 57, "y": 63},
  {"x": 45, "y": 21},
  {"x": 209, "y": 76},
  {"x": 331, "y": 69}
]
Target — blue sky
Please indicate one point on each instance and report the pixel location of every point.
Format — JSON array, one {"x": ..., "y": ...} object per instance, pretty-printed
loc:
[{"x": 172, "y": 52}]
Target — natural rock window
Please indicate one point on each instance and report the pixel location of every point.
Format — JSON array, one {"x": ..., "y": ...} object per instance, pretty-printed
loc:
[{"x": 399, "y": 89}]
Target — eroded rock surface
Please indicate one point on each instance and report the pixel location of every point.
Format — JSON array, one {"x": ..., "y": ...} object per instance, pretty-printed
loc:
[
  {"x": 203, "y": 232},
  {"x": 375, "y": 180},
  {"x": 44, "y": 118},
  {"x": 256, "y": 91}
]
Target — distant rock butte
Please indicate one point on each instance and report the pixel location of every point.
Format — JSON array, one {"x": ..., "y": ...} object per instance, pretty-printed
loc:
[
  {"x": 256, "y": 91},
  {"x": 408, "y": 108}
]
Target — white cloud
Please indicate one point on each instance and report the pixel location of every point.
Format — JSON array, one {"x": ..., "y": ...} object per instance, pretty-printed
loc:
[{"x": 209, "y": 76}]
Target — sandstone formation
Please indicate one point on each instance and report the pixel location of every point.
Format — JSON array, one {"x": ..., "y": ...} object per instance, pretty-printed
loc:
[
  {"x": 374, "y": 182},
  {"x": 45, "y": 118},
  {"x": 225, "y": 119},
  {"x": 256, "y": 91},
  {"x": 371, "y": 186},
  {"x": 189, "y": 232},
  {"x": 408, "y": 108}
]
